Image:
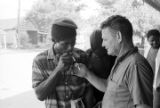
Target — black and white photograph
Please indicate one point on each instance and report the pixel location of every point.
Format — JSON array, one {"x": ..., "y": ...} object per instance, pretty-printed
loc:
[{"x": 79, "y": 53}]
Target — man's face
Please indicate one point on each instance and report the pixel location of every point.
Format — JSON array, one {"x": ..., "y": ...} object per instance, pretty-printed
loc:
[
  {"x": 64, "y": 46},
  {"x": 154, "y": 41},
  {"x": 110, "y": 41}
]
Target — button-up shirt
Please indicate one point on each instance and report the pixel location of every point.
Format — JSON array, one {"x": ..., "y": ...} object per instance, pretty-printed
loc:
[
  {"x": 130, "y": 82},
  {"x": 68, "y": 86}
]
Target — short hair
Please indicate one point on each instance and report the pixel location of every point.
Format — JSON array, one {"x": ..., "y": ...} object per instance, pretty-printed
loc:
[
  {"x": 153, "y": 32},
  {"x": 119, "y": 23},
  {"x": 96, "y": 39}
]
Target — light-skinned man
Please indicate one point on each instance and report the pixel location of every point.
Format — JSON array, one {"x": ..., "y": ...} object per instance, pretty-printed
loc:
[{"x": 130, "y": 82}]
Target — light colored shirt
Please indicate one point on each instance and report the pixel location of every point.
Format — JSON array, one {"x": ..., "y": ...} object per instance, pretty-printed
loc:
[
  {"x": 130, "y": 82},
  {"x": 151, "y": 57},
  {"x": 157, "y": 71},
  {"x": 68, "y": 88}
]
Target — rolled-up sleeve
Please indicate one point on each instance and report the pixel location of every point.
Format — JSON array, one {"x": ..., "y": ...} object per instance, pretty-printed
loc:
[{"x": 37, "y": 76}]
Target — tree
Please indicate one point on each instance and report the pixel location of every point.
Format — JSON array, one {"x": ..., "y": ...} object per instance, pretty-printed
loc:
[
  {"x": 42, "y": 17},
  {"x": 136, "y": 11},
  {"x": 141, "y": 15}
]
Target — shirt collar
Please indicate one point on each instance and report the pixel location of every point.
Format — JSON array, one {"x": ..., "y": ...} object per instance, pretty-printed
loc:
[
  {"x": 51, "y": 54},
  {"x": 126, "y": 54}
]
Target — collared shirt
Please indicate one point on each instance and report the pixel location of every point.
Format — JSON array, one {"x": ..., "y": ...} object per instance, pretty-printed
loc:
[
  {"x": 157, "y": 72},
  {"x": 156, "y": 85},
  {"x": 151, "y": 57},
  {"x": 69, "y": 87},
  {"x": 130, "y": 82}
]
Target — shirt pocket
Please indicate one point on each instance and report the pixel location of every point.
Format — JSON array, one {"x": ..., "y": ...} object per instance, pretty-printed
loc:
[{"x": 111, "y": 89}]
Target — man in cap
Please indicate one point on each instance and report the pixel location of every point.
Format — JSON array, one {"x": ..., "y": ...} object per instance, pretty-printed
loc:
[{"x": 52, "y": 70}]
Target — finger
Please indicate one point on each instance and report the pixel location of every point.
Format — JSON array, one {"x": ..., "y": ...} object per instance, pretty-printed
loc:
[
  {"x": 75, "y": 71},
  {"x": 64, "y": 54},
  {"x": 76, "y": 64},
  {"x": 66, "y": 57},
  {"x": 67, "y": 60},
  {"x": 79, "y": 65}
]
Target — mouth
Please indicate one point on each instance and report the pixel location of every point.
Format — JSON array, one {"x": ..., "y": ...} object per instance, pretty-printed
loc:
[{"x": 106, "y": 49}]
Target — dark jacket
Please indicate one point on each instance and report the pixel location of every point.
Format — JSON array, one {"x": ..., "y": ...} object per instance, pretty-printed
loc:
[{"x": 99, "y": 62}]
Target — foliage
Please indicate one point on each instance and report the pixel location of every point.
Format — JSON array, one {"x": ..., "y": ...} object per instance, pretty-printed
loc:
[
  {"x": 46, "y": 11},
  {"x": 42, "y": 17}
]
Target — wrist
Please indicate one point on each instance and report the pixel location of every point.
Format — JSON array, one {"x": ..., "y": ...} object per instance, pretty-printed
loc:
[
  {"x": 87, "y": 74},
  {"x": 58, "y": 68}
]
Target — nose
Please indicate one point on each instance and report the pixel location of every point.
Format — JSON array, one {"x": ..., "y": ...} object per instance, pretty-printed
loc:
[{"x": 70, "y": 47}]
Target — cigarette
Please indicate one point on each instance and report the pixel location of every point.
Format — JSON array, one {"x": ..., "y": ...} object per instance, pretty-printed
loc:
[{"x": 76, "y": 64}]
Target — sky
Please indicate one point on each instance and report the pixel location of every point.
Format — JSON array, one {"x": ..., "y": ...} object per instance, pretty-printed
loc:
[
  {"x": 91, "y": 10},
  {"x": 9, "y": 8}
]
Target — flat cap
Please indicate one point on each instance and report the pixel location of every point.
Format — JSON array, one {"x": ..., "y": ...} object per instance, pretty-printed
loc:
[
  {"x": 65, "y": 22},
  {"x": 63, "y": 29}
]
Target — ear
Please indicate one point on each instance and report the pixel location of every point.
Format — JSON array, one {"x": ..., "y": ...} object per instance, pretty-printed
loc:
[{"x": 119, "y": 36}]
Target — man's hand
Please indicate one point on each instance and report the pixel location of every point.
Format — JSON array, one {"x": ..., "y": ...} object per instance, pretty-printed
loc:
[
  {"x": 80, "y": 70},
  {"x": 65, "y": 61}
]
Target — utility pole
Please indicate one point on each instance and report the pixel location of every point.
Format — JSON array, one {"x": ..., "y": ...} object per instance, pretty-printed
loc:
[
  {"x": 18, "y": 24},
  {"x": 4, "y": 40}
]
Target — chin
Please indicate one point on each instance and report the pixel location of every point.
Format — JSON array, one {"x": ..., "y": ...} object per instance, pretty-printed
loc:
[{"x": 109, "y": 53}]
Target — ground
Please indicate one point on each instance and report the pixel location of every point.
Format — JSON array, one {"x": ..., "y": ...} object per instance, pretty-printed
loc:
[{"x": 15, "y": 79}]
